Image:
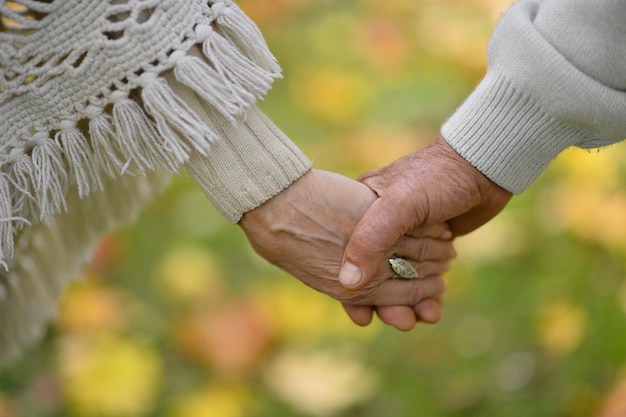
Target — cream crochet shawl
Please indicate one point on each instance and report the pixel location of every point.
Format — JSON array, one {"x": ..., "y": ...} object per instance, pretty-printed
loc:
[{"x": 87, "y": 122}]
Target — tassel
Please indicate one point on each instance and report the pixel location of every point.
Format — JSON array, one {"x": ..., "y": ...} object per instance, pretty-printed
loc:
[
  {"x": 80, "y": 211},
  {"x": 6, "y": 223},
  {"x": 48, "y": 256},
  {"x": 212, "y": 86},
  {"x": 103, "y": 141},
  {"x": 50, "y": 178},
  {"x": 36, "y": 294},
  {"x": 249, "y": 80},
  {"x": 169, "y": 110},
  {"x": 139, "y": 139},
  {"x": 20, "y": 179},
  {"x": 81, "y": 165},
  {"x": 236, "y": 26}
]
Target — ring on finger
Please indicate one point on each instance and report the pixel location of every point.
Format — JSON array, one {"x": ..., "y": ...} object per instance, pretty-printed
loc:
[{"x": 403, "y": 268}]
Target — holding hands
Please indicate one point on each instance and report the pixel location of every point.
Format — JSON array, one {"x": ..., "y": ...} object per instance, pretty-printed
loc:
[
  {"x": 428, "y": 187},
  {"x": 337, "y": 235},
  {"x": 305, "y": 228}
]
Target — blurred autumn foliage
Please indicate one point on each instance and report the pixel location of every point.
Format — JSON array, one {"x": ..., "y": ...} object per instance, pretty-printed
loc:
[{"x": 177, "y": 317}]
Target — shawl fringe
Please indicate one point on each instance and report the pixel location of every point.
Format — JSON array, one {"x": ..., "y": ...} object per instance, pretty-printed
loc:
[
  {"x": 86, "y": 176},
  {"x": 49, "y": 256}
]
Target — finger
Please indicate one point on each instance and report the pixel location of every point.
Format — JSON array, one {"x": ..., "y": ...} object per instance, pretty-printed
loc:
[
  {"x": 371, "y": 240},
  {"x": 431, "y": 268},
  {"x": 376, "y": 173},
  {"x": 429, "y": 186},
  {"x": 428, "y": 311},
  {"x": 424, "y": 249},
  {"x": 395, "y": 292},
  {"x": 482, "y": 213},
  {"x": 436, "y": 231},
  {"x": 360, "y": 314},
  {"x": 400, "y": 317}
]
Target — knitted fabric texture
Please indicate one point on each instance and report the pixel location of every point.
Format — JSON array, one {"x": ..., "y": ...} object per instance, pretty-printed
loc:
[
  {"x": 556, "y": 78},
  {"x": 88, "y": 123}
]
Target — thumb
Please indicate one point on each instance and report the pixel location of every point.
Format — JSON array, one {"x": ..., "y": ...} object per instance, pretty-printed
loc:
[{"x": 370, "y": 243}]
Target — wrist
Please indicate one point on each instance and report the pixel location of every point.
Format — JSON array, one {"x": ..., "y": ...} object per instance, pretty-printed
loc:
[
  {"x": 265, "y": 214},
  {"x": 487, "y": 197},
  {"x": 485, "y": 187},
  {"x": 252, "y": 163}
]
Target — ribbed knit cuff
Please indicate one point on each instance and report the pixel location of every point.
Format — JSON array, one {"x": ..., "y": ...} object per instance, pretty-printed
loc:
[
  {"x": 506, "y": 135},
  {"x": 253, "y": 161}
]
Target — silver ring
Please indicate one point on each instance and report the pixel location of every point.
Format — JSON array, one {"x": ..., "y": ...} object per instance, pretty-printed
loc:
[{"x": 402, "y": 268}]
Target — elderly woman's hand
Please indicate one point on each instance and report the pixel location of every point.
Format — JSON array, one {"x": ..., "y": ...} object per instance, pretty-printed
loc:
[{"x": 305, "y": 228}]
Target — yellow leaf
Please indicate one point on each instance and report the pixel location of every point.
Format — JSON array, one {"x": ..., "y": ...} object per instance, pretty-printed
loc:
[
  {"x": 91, "y": 308},
  {"x": 332, "y": 95},
  {"x": 109, "y": 377},
  {"x": 188, "y": 274},
  {"x": 594, "y": 214},
  {"x": 598, "y": 168},
  {"x": 214, "y": 401},
  {"x": 305, "y": 317},
  {"x": 455, "y": 31},
  {"x": 320, "y": 383}
]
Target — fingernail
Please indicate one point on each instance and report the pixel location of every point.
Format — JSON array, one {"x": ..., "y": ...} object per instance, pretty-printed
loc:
[{"x": 350, "y": 275}]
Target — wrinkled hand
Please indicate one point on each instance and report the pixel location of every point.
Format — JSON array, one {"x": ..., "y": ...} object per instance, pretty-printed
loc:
[
  {"x": 427, "y": 187},
  {"x": 305, "y": 228}
]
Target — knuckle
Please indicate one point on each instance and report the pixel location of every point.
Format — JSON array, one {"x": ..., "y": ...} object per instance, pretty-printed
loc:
[
  {"x": 424, "y": 250},
  {"x": 417, "y": 293},
  {"x": 356, "y": 297},
  {"x": 374, "y": 182},
  {"x": 364, "y": 296},
  {"x": 340, "y": 294}
]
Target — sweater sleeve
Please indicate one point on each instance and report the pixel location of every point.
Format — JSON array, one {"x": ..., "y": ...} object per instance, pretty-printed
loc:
[
  {"x": 254, "y": 162},
  {"x": 556, "y": 78}
]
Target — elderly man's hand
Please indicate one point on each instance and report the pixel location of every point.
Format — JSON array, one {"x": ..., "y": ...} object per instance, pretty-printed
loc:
[
  {"x": 305, "y": 228},
  {"x": 428, "y": 187}
]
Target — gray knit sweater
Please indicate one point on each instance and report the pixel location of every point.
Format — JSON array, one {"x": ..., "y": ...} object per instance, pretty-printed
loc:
[{"x": 556, "y": 78}]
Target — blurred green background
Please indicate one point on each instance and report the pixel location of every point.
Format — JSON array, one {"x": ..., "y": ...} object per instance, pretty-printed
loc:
[{"x": 177, "y": 317}]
